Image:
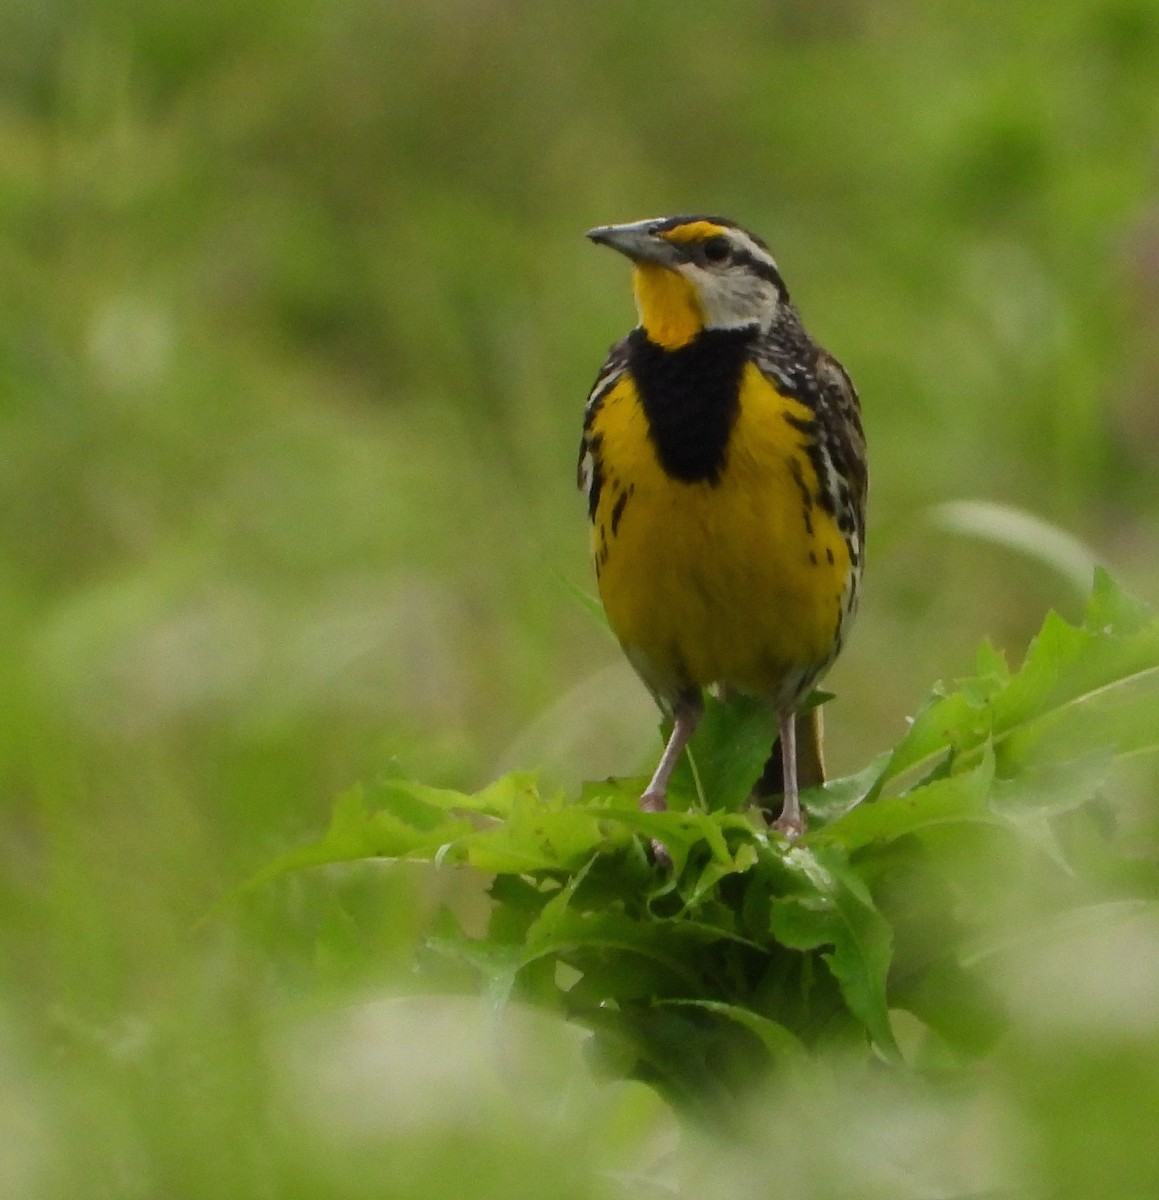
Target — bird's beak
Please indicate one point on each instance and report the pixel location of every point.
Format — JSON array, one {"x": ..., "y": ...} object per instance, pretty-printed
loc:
[{"x": 639, "y": 241}]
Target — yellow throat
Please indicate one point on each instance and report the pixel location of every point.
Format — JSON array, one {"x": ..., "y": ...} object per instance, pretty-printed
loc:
[{"x": 669, "y": 309}]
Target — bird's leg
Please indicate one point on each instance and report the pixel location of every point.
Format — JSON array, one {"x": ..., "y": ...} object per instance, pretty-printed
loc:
[
  {"x": 769, "y": 790},
  {"x": 686, "y": 714},
  {"x": 791, "y": 822}
]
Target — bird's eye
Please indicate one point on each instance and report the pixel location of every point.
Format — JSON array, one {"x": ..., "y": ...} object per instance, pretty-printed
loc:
[{"x": 717, "y": 249}]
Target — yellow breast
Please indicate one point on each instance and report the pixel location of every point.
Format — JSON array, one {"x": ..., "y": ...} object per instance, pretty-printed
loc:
[{"x": 742, "y": 581}]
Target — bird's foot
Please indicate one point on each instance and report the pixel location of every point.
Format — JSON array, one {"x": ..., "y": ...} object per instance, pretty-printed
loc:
[
  {"x": 655, "y": 802},
  {"x": 790, "y": 825},
  {"x": 660, "y": 855}
]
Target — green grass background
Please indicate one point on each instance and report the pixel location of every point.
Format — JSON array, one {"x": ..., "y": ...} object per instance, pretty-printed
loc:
[{"x": 296, "y": 325}]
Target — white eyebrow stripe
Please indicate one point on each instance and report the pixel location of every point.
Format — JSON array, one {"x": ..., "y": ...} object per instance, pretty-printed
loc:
[{"x": 758, "y": 252}]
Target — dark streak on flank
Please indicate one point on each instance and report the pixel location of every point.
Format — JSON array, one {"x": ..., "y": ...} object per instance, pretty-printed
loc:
[
  {"x": 817, "y": 457},
  {"x": 618, "y": 511},
  {"x": 806, "y": 494}
]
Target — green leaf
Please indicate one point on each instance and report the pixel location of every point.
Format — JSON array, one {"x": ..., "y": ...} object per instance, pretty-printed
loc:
[
  {"x": 745, "y": 858},
  {"x": 1001, "y": 788},
  {"x": 954, "y": 799},
  {"x": 497, "y": 963},
  {"x": 672, "y": 948},
  {"x": 542, "y": 932},
  {"x": 1112, "y": 610},
  {"x": 355, "y": 832},
  {"x": 991, "y": 664},
  {"x": 946, "y": 720},
  {"x": 782, "y": 1044},
  {"x": 834, "y": 909},
  {"x": 729, "y": 750},
  {"x": 835, "y": 797},
  {"x": 1101, "y": 677},
  {"x": 539, "y": 837},
  {"x": 1052, "y": 788}
]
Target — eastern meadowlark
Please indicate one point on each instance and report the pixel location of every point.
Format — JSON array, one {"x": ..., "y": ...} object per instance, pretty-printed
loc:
[{"x": 724, "y": 465}]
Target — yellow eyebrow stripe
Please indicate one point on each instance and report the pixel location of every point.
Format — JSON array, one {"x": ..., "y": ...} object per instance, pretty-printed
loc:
[{"x": 694, "y": 231}]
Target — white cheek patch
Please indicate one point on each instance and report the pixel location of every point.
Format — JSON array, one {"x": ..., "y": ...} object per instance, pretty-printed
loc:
[{"x": 732, "y": 299}]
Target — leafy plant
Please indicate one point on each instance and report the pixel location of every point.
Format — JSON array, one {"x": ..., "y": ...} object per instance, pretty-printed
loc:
[{"x": 751, "y": 953}]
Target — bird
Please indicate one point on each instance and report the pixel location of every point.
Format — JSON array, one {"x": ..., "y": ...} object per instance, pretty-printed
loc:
[{"x": 723, "y": 461}]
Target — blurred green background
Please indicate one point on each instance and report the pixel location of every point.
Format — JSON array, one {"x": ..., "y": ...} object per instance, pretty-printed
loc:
[{"x": 297, "y": 323}]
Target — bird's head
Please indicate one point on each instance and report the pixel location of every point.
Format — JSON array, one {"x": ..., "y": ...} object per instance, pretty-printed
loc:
[{"x": 696, "y": 273}]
